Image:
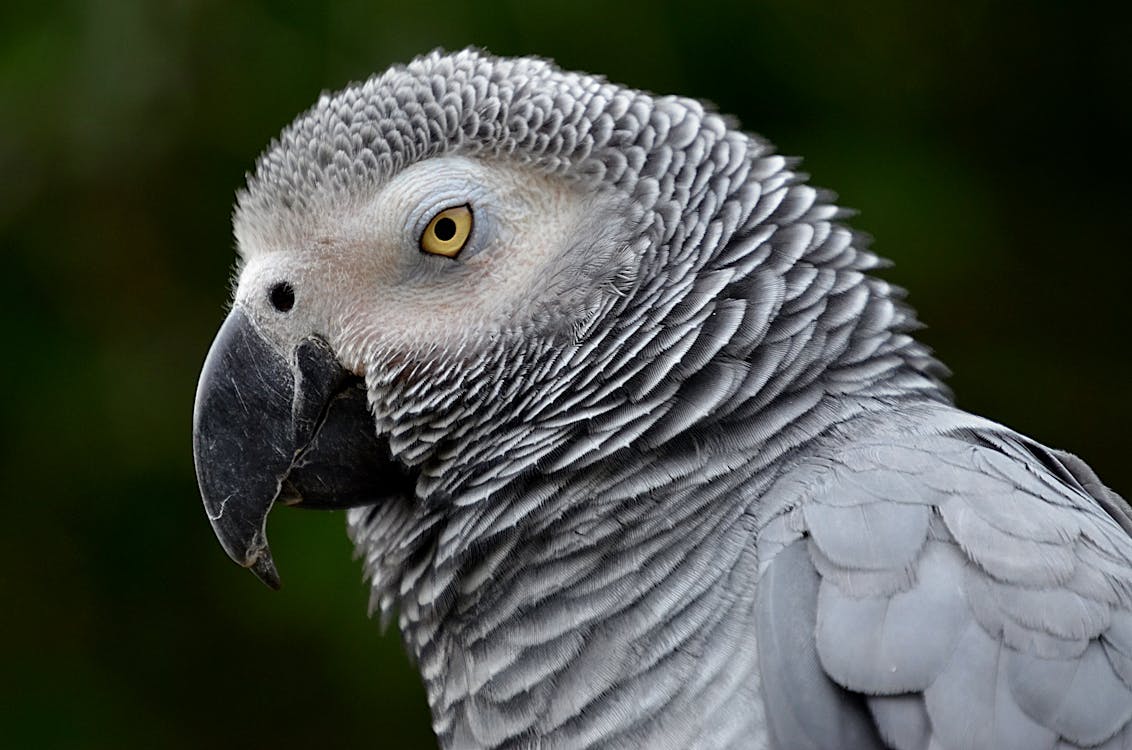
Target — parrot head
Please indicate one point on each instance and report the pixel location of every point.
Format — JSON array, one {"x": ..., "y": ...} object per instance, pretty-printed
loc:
[{"x": 410, "y": 290}]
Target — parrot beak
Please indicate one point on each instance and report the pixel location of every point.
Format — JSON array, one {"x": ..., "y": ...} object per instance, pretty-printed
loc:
[{"x": 266, "y": 428}]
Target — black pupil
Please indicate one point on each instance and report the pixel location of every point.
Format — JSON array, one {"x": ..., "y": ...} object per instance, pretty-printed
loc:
[
  {"x": 445, "y": 229},
  {"x": 282, "y": 296}
]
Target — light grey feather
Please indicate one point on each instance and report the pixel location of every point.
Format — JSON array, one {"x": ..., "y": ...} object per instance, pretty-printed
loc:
[
  {"x": 1000, "y": 630},
  {"x": 902, "y": 720},
  {"x": 971, "y": 705},
  {"x": 877, "y": 644},
  {"x": 805, "y": 708},
  {"x": 1081, "y": 698}
]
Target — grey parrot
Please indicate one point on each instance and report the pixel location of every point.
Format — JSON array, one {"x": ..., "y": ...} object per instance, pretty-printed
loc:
[{"x": 635, "y": 447}]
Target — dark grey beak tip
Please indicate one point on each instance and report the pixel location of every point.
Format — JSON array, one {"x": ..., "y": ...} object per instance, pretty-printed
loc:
[{"x": 264, "y": 569}]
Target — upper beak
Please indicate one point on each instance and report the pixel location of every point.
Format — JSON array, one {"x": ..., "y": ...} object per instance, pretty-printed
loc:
[{"x": 268, "y": 427}]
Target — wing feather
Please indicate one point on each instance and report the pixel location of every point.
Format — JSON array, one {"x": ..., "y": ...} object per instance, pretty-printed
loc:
[
  {"x": 971, "y": 587},
  {"x": 806, "y": 710}
]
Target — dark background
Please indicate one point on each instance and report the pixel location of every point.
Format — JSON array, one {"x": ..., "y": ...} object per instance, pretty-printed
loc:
[{"x": 985, "y": 144}]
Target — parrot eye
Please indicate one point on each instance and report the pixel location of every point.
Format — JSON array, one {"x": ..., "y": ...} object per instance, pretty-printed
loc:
[
  {"x": 448, "y": 232},
  {"x": 282, "y": 296}
]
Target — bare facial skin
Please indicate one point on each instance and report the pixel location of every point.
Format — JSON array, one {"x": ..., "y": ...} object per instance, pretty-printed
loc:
[{"x": 391, "y": 295}]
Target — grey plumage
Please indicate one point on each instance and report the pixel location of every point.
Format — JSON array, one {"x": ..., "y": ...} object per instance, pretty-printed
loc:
[
  {"x": 695, "y": 484},
  {"x": 998, "y": 629}
]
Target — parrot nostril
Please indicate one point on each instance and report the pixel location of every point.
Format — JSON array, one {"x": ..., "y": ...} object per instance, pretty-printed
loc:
[{"x": 282, "y": 296}]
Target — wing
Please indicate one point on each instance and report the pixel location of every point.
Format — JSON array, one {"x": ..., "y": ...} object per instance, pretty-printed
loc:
[{"x": 969, "y": 589}]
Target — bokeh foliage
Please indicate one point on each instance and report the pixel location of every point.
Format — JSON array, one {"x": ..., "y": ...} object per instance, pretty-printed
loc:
[{"x": 986, "y": 145}]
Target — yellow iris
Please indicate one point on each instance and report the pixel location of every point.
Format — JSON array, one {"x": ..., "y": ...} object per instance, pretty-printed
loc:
[{"x": 448, "y": 232}]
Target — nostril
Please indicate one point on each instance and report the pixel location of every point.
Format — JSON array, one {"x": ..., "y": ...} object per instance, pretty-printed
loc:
[{"x": 282, "y": 296}]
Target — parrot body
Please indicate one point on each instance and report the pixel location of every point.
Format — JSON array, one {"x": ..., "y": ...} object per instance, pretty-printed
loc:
[{"x": 635, "y": 447}]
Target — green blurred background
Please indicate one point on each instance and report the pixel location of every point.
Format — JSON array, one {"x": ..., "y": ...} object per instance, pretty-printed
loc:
[{"x": 986, "y": 146}]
